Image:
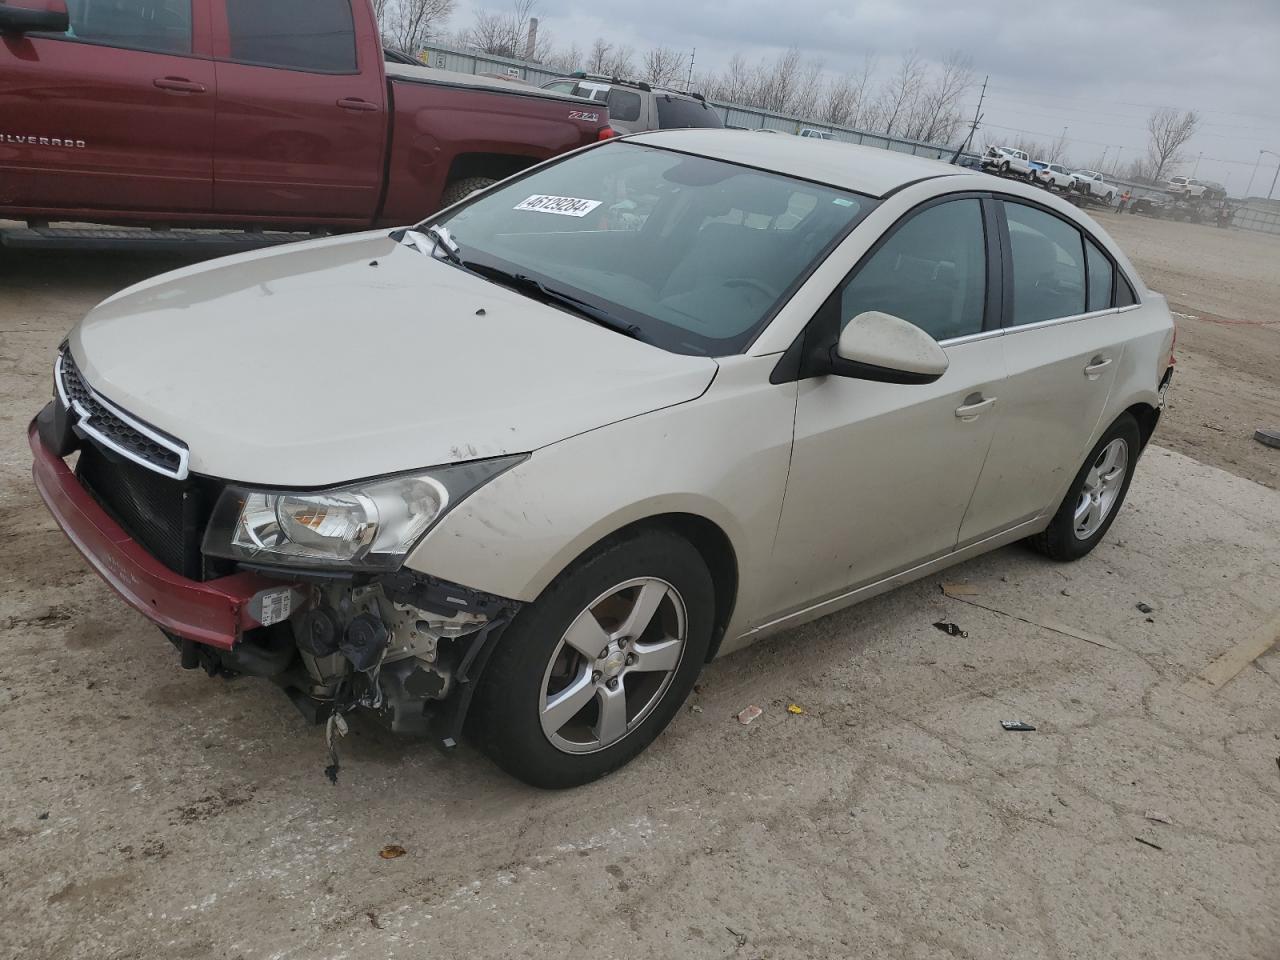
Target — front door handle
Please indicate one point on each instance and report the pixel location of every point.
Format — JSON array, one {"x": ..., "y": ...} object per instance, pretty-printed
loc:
[
  {"x": 178, "y": 85},
  {"x": 973, "y": 406},
  {"x": 1095, "y": 367},
  {"x": 355, "y": 103}
]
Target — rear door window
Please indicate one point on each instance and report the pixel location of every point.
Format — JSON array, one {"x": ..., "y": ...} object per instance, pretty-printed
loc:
[
  {"x": 1101, "y": 274},
  {"x": 317, "y": 36},
  {"x": 932, "y": 271},
  {"x": 679, "y": 112},
  {"x": 1048, "y": 265},
  {"x": 159, "y": 26}
]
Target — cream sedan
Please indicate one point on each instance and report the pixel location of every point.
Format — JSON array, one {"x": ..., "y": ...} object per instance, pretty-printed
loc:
[{"x": 533, "y": 462}]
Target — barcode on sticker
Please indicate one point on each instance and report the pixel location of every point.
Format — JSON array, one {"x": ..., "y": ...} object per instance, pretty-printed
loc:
[
  {"x": 564, "y": 206},
  {"x": 275, "y": 607}
]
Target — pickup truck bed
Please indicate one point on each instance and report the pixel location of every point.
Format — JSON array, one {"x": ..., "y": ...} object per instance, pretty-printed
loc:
[{"x": 206, "y": 123}]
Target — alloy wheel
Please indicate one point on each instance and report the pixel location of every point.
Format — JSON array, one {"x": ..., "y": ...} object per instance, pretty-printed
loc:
[
  {"x": 1101, "y": 489},
  {"x": 613, "y": 665}
]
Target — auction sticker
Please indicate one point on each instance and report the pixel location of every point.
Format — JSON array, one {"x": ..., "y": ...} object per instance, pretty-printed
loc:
[{"x": 564, "y": 206}]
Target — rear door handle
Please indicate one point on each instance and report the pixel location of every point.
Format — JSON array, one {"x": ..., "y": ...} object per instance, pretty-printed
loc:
[
  {"x": 1095, "y": 367},
  {"x": 178, "y": 85},
  {"x": 355, "y": 103},
  {"x": 974, "y": 406}
]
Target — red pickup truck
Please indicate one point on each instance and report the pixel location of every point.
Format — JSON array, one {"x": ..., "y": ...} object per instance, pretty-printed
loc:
[{"x": 249, "y": 114}]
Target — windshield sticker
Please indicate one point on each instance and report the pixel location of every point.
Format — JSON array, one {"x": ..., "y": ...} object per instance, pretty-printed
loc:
[{"x": 564, "y": 206}]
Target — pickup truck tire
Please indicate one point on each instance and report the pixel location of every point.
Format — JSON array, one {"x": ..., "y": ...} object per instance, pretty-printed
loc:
[
  {"x": 1004, "y": 169},
  {"x": 540, "y": 664},
  {"x": 461, "y": 189}
]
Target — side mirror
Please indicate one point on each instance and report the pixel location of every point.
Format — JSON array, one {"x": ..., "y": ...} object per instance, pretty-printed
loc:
[
  {"x": 30, "y": 16},
  {"x": 879, "y": 346}
]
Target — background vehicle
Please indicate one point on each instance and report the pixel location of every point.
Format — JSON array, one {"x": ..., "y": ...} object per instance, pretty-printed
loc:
[
  {"x": 1006, "y": 161},
  {"x": 417, "y": 524},
  {"x": 816, "y": 134},
  {"x": 1093, "y": 184},
  {"x": 281, "y": 115},
  {"x": 635, "y": 106},
  {"x": 1188, "y": 187},
  {"x": 1055, "y": 175}
]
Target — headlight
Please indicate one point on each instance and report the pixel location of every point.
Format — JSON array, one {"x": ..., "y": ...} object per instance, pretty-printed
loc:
[{"x": 370, "y": 525}]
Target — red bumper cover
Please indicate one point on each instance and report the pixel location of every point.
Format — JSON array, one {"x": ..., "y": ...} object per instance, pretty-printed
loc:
[{"x": 215, "y": 612}]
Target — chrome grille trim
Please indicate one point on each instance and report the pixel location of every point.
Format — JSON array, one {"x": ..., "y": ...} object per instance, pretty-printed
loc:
[{"x": 102, "y": 420}]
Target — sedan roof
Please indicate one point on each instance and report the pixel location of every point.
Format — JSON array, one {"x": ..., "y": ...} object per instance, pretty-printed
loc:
[{"x": 867, "y": 170}]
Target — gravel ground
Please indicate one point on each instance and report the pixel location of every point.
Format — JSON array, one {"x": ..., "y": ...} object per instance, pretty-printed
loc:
[{"x": 150, "y": 813}]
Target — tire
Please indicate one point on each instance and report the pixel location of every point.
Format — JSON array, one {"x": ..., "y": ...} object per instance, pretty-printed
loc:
[
  {"x": 1060, "y": 540},
  {"x": 1004, "y": 169},
  {"x": 461, "y": 189},
  {"x": 536, "y": 663}
]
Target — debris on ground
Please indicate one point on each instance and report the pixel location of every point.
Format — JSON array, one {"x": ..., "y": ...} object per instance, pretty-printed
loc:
[
  {"x": 1146, "y": 608},
  {"x": 795, "y": 709},
  {"x": 740, "y": 937},
  {"x": 391, "y": 851},
  {"x": 1270, "y": 438},
  {"x": 749, "y": 714},
  {"x": 960, "y": 590},
  {"x": 695, "y": 709},
  {"x": 951, "y": 629},
  {"x": 373, "y": 917},
  {"x": 1153, "y": 846},
  {"x": 1016, "y": 725},
  {"x": 1157, "y": 816},
  {"x": 45, "y": 816}
]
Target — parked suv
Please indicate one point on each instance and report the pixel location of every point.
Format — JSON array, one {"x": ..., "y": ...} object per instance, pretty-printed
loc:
[
  {"x": 635, "y": 106},
  {"x": 1186, "y": 187}
]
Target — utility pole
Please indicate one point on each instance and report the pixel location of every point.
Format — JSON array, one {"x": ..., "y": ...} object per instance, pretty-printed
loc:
[
  {"x": 688, "y": 84},
  {"x": 1249, "y": 188},
  {"x": 1196, "y": 168},
  {"x": 977, "y": 115}
]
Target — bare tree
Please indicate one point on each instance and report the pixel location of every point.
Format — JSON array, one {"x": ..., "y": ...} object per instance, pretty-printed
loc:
[
  {"x": 408, "y": 24},
  {"x": 1169, "y": 131},
  {"x": 506, "y": 34},
  {"x": 564, "y": 61},
  {"x": 662, "y": 65},
  {"x": 599, "y": 57},
  {"x": 620, "y": 62},
  {"x": 936, "y": 117},
  {"x": 903, "y": 91}
]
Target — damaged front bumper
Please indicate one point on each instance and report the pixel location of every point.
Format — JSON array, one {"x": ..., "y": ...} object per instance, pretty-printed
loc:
[
  {"x": 217, "y": 613},
  {"x": 404, "y": 645}
]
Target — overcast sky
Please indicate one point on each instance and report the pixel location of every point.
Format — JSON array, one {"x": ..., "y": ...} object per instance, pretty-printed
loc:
[{"x": 1096, "y": 67}]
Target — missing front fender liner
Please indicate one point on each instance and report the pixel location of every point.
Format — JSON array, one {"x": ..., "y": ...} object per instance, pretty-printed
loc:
[{"x": 448, "y": 718}]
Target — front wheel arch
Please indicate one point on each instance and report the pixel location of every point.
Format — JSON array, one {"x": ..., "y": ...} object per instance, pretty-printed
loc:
[{"x": 711, "y": 542}]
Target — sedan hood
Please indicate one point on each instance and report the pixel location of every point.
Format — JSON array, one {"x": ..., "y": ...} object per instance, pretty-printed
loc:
[{"x": 346, "y": 358}]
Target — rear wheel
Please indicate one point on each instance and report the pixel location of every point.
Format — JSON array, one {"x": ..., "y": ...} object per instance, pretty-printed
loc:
[
  {"x": 1091, "y": 504},
  {"x": 591, "y": 672}
]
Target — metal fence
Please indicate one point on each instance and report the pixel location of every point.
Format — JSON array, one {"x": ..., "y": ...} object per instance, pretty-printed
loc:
[
  {"x": 733, "y": 114},
  {"x": 1260, "y": 219}
]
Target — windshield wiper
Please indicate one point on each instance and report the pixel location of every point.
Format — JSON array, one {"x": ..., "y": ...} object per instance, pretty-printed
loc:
[{"x": 527, "y": 284}]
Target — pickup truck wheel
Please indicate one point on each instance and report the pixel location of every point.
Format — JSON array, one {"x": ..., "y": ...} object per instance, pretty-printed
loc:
[
  {"x": 461, "y": 189},
  {"x": 590, "y": 673},
  {"x": 1095, "y": 496},
  {"x": 1004, "y": 168}
]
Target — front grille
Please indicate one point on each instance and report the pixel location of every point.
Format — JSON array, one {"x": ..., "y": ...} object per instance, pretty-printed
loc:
[
  {"x": 166, "y": 516},
  {"x": 115, "y": 429}
]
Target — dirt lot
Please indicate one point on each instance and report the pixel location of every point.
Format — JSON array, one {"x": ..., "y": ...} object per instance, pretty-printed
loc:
[
  {"x": 150, "y": 813},
  {"x": 1225, "y": 287}
]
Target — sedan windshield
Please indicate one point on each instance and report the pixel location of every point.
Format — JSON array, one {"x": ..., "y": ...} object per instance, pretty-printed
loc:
[{"x": 690, "y": 254}]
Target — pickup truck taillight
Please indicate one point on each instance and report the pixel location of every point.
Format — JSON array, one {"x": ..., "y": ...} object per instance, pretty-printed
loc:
[{"x": 606, "y": 132}]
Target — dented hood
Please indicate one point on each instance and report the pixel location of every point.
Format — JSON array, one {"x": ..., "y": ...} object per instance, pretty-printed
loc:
[{"x": 346, "y": 358}]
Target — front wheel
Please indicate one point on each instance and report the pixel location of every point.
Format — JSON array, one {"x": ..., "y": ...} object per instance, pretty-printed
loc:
[
  {"x": 589, "y": 674},
  {"x": 1004, "y": 169},
  {"x": 1094, "y": 498}
]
